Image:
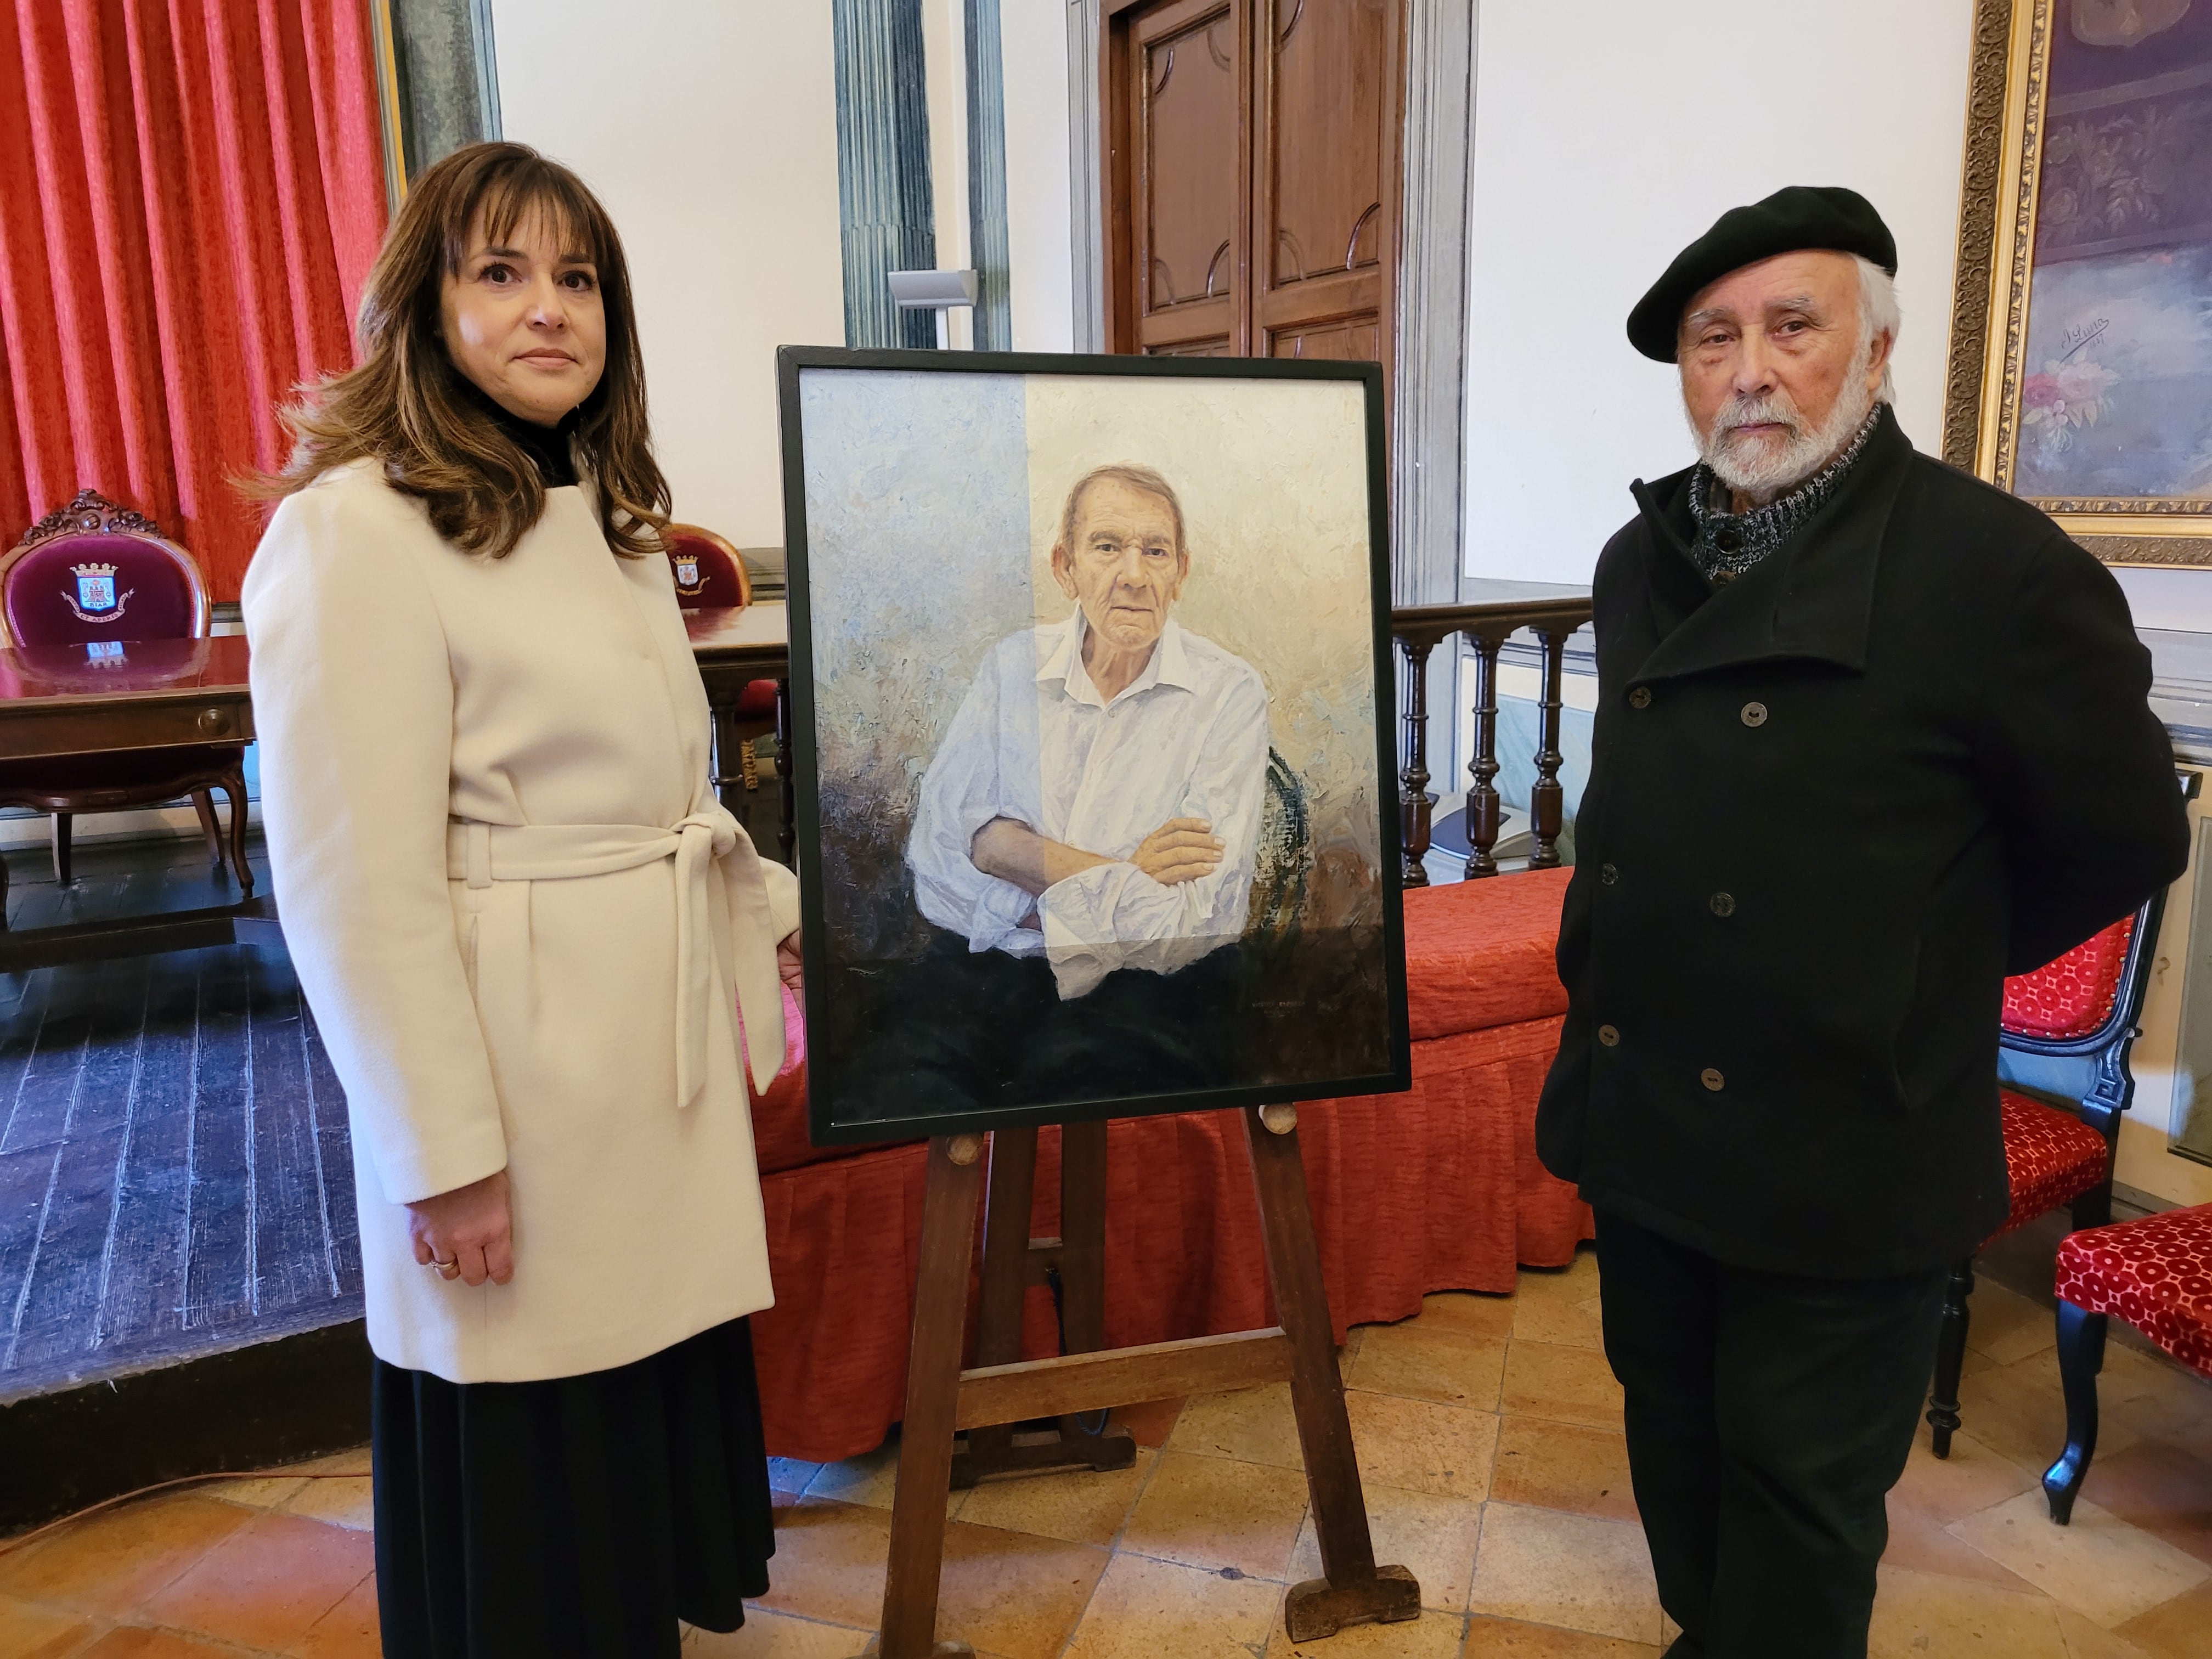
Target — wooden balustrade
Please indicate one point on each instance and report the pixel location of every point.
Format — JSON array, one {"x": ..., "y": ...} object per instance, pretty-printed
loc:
[{"x": 1553, "y": 615}]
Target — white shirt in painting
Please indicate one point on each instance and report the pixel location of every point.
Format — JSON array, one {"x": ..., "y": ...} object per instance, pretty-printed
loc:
[{"x": 1036, "y": 743}]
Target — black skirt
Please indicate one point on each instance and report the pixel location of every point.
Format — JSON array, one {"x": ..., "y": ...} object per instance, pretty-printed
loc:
[{"x": 575, "y": 1518}]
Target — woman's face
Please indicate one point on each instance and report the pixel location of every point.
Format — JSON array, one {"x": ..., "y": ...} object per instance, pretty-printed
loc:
[{"x": 525, "y": 320}]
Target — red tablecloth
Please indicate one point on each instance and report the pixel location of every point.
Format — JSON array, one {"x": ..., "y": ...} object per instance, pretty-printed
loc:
[{"x": 1437, "y": 1189}]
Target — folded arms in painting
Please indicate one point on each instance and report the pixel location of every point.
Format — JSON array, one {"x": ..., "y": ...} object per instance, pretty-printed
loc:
[{"x": 1033, "y": 745}]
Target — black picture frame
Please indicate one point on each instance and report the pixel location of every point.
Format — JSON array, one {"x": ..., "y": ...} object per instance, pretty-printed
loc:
[{"x": 801, "y": 750}]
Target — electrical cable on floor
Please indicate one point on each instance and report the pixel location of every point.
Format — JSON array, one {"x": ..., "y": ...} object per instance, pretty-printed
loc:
[{"x": 9, "y": 1545}]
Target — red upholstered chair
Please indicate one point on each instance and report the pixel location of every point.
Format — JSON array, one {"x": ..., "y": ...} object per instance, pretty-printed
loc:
[
  {"x": 2156, "y": 1273},
  {"x": 709, "y": 574},
  {"x": 2081, "y": 1008},
  {"x": 89, "y": 578}
]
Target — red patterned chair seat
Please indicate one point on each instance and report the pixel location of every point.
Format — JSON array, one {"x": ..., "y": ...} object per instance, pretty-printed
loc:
[
  {"x": 2156, "y": 1273},
  {"x": 2051, "y": 1158}
]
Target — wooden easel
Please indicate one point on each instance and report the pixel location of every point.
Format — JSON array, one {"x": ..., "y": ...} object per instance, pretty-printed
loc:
[
  {"x": 942, "y": 1400},
  {"x": 1012, "y": 1263}
]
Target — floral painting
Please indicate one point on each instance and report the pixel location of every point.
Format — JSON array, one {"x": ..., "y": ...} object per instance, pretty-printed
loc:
[{"x": 2116, "y": 389}]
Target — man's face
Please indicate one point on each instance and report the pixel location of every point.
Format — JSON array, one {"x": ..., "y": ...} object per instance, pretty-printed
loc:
[
  {"x": 1772, "y": 361},
  {"x": 1125, "y": 567}
]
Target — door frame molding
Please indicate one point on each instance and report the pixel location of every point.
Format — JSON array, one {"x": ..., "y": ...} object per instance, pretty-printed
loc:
[
  {"x": 1428, "y": 498},
  {"x": 1085, "y": 181}
]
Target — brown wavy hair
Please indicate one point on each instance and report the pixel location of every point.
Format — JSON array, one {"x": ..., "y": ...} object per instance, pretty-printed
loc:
[{"x": 411, "y": 410}]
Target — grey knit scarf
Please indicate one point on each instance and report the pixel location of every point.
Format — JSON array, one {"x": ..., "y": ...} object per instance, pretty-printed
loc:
[{"x": 1730, "y": 543}]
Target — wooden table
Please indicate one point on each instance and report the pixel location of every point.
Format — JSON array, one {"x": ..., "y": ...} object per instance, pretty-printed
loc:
[
  {"x": 141, "y": 694},
  {"x": 158, "y": 693}
]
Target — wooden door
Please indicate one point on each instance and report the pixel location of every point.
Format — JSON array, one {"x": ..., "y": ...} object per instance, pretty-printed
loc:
[{"x": 1252, "y": 159}]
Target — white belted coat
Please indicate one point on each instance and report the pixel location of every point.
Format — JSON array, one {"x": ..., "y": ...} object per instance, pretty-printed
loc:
[{"x": 522, "y": 922}]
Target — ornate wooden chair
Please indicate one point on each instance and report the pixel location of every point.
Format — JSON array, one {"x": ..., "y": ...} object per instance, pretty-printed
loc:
[
  {"x": 2080, "y": 1009},
  {"x": 2156, "y": 1273},
  {"x": 710, "y": 575},
  {"x": 92, "y": 577}
]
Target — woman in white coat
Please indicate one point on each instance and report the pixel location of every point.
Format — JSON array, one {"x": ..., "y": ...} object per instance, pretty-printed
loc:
[{"x": 525, "y": 927}]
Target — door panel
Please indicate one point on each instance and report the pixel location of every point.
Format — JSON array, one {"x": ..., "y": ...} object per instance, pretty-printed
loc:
[
  {"x": 1323, "y": 192},
  {"x": 1190, "y": 204},
  {"x": 1252, "y": 156},
  {"x": 1325, "y": 211},
  {"x": 1356, "y": 340},
  {"x": 1187, "y": 93}
]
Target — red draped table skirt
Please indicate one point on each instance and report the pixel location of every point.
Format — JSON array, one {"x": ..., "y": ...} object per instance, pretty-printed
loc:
[{"x": 1437, "y": 1189}]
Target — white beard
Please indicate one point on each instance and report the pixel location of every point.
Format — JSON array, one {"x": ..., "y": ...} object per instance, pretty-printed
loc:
[{"x": 1758, "y": 468}]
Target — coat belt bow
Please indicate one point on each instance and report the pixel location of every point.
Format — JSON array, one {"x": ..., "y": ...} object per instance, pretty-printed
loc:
[{"x": 481, "y": 854}]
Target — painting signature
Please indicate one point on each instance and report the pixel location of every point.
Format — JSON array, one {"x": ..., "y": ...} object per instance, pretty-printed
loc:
[{"x": 2080, "y": 334}]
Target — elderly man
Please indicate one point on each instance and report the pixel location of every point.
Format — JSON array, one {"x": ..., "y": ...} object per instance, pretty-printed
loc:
[
  {"x": 1086, "y": 833},
  {"x": 1870, "y": 736}
]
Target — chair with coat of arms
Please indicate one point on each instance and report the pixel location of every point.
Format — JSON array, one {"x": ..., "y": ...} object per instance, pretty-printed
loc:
[
  {"x": 88, "y": 579},
  {"x": 710, "y": 575}
]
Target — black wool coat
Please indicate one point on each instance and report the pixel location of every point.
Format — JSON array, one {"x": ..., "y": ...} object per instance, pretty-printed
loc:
[{"x": 1831, "y": 804}]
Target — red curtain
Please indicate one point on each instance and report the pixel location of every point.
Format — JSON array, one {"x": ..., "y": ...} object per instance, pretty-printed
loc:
[{"x": 191, "y": 194}]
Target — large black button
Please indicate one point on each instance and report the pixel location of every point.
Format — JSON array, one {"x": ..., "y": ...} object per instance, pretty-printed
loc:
[
  {"x": 1755, "y": 713},
  {"x": 1712, "y": 1080},
  {"x": 1640, "y": 697},
  {"x": 1728, "y": 539},
  {"x": 1607, "y": 874},
  {"x": 1723, "y": 904},
  {"x": 1607, "y": 1036}
]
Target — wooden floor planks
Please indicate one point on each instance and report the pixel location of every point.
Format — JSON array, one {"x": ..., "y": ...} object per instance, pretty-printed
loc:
[{"x": 175, "y": 1174}]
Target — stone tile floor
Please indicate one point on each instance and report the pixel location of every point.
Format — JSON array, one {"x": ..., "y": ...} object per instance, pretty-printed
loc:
[{"x": 1490, "y": 1439}]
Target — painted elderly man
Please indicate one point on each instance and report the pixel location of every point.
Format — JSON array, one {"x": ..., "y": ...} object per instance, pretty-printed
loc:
[
  {"x": 1087, "y": 830},
  {"x": 1870, "y": 736}
]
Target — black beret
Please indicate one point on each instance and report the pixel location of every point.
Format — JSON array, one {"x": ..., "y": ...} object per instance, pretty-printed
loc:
[{"x": 1801, "y": 216}]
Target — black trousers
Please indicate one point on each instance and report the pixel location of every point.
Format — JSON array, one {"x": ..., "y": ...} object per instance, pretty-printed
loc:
[
  {"x": 1768, "y": 1416},
  {"x": 958, "y": 1031}
]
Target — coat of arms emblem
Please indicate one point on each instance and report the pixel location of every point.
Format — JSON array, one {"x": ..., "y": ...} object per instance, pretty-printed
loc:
[
  {"x": 687, "y": 571},
  {"x": 96, "y": 598}
]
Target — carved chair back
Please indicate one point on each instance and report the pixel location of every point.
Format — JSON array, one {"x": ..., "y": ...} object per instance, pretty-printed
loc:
[
  {"x": 1285, "y": 856},
  {"x": 93, "y": 570},
  {"x": 2080, "y": 1012},
  {"x": 708, "y": 570}
]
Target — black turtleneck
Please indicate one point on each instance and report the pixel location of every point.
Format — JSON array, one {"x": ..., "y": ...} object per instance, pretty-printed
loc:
[{"x": 548, "y": 446}]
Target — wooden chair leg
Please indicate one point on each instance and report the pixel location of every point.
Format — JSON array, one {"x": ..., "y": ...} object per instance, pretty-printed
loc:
[
  {"x": 2080, "y": 1357},
  {"x": 203, "y": 804},
  {"x": 1950, "y": 1357},
  {"x": 62, "y": 847},
  {"x": 3, "y": 892},
  {"x": 233, "y": 786}
]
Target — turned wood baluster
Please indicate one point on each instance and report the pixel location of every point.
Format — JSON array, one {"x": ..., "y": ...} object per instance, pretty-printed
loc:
[
  {"x": 1544, "y": 800},
  {"x": 1414, "y": 797},
  {"x": 1482, "y": 809}
]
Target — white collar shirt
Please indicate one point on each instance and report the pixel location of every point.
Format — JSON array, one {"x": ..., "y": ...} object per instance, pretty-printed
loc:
[{"x": 1034, "y": 742}]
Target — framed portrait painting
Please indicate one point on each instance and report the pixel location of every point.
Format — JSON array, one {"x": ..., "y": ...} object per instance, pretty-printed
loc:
[
  {"x": 2081, "y": 373},
  {"x": 1091, "y": 678}
]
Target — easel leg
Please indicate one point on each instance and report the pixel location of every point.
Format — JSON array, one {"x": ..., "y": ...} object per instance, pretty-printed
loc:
[
  {"x": 1012, "y": 1262},
  {"x": 1355, "y": 1591},
  {"x": 1006, "y": 1285},
  {"x": 933, "y": 1395}
]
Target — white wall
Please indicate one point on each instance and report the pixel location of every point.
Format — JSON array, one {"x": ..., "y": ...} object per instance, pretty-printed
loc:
[
  {"x": 1606, "y": 143},
  {"x": 710, "y": 132}
]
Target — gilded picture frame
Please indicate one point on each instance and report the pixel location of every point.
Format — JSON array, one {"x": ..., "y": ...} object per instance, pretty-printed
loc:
[{"x": 2080, "y": 360}]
